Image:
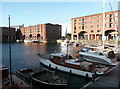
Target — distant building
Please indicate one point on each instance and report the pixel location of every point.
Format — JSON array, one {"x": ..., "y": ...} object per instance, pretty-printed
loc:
[
  {"x": 90, "y": 27},
  {"x": 41, "y": 32},
  {"x": 17, "y": 27},
  {"x": 18, "y": 32},
  {"x": 5, "y": 34}
]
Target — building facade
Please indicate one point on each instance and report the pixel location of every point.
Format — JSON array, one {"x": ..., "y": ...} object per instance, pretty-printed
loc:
[
  {"x": 91, "y": 27},
  {"x": 41, "y": 32},
  {"x": 18, "y": 32},
  {"x": 4, "y": 37}
]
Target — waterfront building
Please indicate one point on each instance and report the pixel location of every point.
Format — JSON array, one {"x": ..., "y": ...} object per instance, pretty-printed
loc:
[
  {"x": 41, "y": 32},
  {"x": 18, "y": 32},
  {"x": 91, "y": 27},
  {"x": 4, "y": 34}
]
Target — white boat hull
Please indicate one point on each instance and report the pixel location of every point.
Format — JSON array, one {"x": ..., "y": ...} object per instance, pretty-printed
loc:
[
  {"x": 95, "y": 58},
  {"x": 50, "y": 64}
]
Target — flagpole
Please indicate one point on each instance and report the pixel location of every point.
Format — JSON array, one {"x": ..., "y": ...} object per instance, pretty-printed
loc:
[{"x": 10, "y": 52}]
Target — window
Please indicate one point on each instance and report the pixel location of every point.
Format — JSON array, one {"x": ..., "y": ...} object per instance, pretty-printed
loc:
[
  {"x": 98, "y": 30},
  {"x": 92, "y": 17},
  {"x": 111, "y": 20},
  {"x": 98, "y": 25},
  {"x": 116, "y": 19},
  {"x": 92, "y": 31},
  {"x": 82, "y": 19},
  {"x": 106, "y": 25},
  {"x": 74, "y": 22},
  {"x": 85, "y": 26},
  {"x": 74, "y": 28},
  {"x": 82, "y": 22},
  {"x": 106, "y": 20},
  {"x": 82, "y": 27},
  {"x": 111, "y": 25},
  {"x": 111, "y": 15},
  {"x": 92, "y": 21},
  {"x": 74, "y": 31},
  {"x": 92, "y": 26},
  {"x": 116, "y": 14},
  {"x": 99, "y": 16},
  {"x": 106, "y": 15},
  {"x": 98, "y": 21},
  {"x": 86, "y": 18}
]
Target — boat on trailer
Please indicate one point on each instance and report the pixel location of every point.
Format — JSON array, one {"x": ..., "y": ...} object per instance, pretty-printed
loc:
[{"x": 66, "y": 63}]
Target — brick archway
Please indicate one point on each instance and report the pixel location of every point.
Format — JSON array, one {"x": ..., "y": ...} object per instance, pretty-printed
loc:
[
  {"x": 38, "y": 36},
  {"x": 81, "y": 35}
]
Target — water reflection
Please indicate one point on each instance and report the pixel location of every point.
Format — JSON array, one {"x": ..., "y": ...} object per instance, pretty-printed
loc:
[{"x": 24, "y": 55}]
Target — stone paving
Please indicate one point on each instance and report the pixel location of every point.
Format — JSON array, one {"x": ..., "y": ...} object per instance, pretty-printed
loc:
[{"x": 111, "y": 80}]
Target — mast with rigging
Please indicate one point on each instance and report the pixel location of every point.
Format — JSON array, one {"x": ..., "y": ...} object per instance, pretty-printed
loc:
[{"x": 103, "y": 30}]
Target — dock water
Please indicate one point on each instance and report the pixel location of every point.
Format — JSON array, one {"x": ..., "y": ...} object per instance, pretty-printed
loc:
[{"x": 109, "y": 81}]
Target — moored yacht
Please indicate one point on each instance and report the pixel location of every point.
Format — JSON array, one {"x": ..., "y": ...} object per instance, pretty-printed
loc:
[
  {"x": 92, "y": 55},
  {"x": 64, "y": 42},
  {"x": 66, "y": 63}
]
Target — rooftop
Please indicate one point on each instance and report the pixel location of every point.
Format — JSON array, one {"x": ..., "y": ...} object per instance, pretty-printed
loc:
[{"x": 94, "y": 14}]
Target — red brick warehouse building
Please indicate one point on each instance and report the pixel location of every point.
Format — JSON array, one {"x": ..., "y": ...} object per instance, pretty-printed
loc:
[
  {"x": 42, "y": 32},
  {"x": 90, "y": 27},
  {"x": 4, "y": 34}
]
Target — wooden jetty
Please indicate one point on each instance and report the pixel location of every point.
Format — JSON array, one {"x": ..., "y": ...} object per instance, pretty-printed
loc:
[{"x": 20, "y": 82}]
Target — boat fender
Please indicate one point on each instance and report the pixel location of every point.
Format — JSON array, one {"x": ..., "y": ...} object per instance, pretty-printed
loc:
[
  {"x": 93, "y": 77},
  {"x": 86, "y": 75},
  {"x": 49, "y": 65},
  {"x": 70, "y": 71},
  {"x": 56, "y": 68}
]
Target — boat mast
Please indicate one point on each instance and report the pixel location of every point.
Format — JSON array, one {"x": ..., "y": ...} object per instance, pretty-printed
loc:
[
  {"x": 10, "y": 52},
  {"x": 66, "y": 39},
  {"x": 103, "y": 30},
  {"x": 67, "y": 50},
  {"x": 66, "y": 33},
  {"x": 116, "y": 26}
]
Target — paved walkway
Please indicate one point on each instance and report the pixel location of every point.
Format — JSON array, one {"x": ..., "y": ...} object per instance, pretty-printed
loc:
[
  {"x": 111, "y": 80},
  {"x": 20, "y": 82}
]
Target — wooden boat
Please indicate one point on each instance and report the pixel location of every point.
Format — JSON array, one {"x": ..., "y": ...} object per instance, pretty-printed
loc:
[
  {"x": 26, "y": 74},
  {"x": 26, "y": 71},
  {"x": 47, "y": 79},
  {"x": 66, "y": 63}
]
